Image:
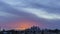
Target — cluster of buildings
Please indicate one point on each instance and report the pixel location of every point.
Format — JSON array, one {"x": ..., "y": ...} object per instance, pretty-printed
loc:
[{"x": 32, "y": 30}]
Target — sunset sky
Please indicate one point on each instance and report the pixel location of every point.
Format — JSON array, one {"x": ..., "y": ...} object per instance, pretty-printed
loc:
[{"x": 23, "y": 14}]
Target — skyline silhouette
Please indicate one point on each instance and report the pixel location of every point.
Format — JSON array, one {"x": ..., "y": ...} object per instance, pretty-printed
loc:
[{"x": 32, "y": 30}]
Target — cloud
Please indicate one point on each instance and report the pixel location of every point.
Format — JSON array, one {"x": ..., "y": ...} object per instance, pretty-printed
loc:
[
  {"x": 8, "y": 13},
  {"x": 44, "y": 11},
  {"x": 41, "y": 13},
  {"x": 47, "y": 3},
  {"x": 4, "y": 14},
  {"x": 47, "y": 9},
  {"x": 30, "y": 6}
]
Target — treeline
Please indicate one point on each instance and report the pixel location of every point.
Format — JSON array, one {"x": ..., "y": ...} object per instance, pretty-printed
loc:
[{"x": 32, "y": 30}]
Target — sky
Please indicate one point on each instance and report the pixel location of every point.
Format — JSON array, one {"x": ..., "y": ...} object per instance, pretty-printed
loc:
[{"x": 23, "y": 14}]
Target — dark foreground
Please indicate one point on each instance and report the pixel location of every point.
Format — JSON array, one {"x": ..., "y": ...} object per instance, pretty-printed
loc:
[{"x": 32, "y": 30}]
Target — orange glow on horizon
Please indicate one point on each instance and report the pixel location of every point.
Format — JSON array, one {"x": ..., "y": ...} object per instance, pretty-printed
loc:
[
  {"x": 23, "y": 24},
  {"x": 26, "y": 24}
]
